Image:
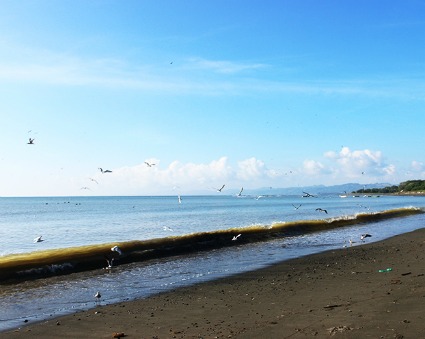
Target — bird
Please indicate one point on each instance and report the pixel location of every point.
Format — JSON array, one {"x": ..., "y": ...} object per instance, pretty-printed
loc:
[
  {"x": 297, "y": 207},
  {"x": 94, "y": 180},
  {"x": 105, "y": 171},
  {"x": 220, "y": 189},
  {"x": 236, "y": 237},
  {"x": 366, "y": 235},
  {"x": 179, "y": 199},
  {"x": 85, "y": 188},
  {"x": 322, "y": 210},
  {"x": 38, "y": 239},
  {"x": 116, "y": 249},
  {"x": 240, "y": 192},
  {"x": 97, "y": 295},
  {"x": 149, "y": 164},
  {"x": 110, "y": 263},
  {"x": 30, "y": 141},
  {"x": 166, "y": 228},
  {"x": 308, "y": 195}
]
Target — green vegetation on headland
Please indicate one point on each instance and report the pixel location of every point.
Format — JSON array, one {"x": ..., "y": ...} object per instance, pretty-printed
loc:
[{"x": 406, "y": 187}]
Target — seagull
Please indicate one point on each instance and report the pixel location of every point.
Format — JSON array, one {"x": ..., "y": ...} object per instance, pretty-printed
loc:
[
  {"x": 97, "y": 295},
  {"x": 308, "y": 195},
  {"x": 240, "y": 193},
  {"x": 179, "y": 199},
  {"x": 116, "y": 249},
  {"x": 94, "y": 180},
  {"x": 236, "y": 237},
  {"x": 220, "y": 189},
  {"x": 30, "y": 141},
  {"x": 297, "y": 207},
  {"x": 149, "y": 164},
  {"x": 38, "y": 239},
  {"x": 166, "y": 228},
  {"x": 110, "y": 263},
  {"x": 85, "y": 188},
  {"x": 104, "y": 171},
  {"x": 321, "y": 210},
  {"x": 366, "y": 235}
]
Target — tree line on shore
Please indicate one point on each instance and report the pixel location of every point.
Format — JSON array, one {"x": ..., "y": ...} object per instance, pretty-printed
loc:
[{"x": 406, "y": 186}]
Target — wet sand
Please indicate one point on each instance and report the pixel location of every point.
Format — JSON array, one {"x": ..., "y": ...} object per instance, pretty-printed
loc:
[{"x": 339, "y": 294}]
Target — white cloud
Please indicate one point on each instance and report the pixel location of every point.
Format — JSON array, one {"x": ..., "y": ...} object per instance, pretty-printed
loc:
[
  {"x": 313, "y": 168},
  {"x": 250, "y": 169},
  {"x": 224, "y": 66},
  {"x": 354, "y": 164}
]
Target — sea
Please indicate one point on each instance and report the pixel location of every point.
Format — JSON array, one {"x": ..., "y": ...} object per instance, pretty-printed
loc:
[{"x": 168, "y": 242}]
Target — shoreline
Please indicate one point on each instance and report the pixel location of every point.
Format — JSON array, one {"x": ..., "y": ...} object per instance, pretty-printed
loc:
[{"x": 339, "y": 292}]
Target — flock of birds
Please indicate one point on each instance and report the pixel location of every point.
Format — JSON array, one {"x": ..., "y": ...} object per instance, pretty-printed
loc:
[{"x": 110, "y": 259}]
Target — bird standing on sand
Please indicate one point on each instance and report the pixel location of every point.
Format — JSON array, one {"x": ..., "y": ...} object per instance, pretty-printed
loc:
[
  {"x": 322, "y": 210},
  {"x": 97, "y": 296},
  {"x": 104, "y": 171}
]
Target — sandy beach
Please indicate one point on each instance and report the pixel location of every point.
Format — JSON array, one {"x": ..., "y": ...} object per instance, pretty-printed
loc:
[{"x": 374, "y": 290}]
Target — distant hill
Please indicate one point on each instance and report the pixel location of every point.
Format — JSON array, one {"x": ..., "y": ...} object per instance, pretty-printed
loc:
[{"x": 406, "y": 187}]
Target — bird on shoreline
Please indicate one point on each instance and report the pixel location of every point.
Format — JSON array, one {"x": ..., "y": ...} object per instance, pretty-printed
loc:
[
  {"x": 97, "y": 296},
  {"x": 321, "y": 210},
  {"x": 105, "y": 171}
]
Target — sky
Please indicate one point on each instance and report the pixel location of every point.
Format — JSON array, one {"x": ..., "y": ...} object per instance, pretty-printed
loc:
[{"x": 247, "y": 94}]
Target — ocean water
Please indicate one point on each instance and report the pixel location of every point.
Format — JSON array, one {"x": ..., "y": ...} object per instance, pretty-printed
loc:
[{"x": 167, "y": 244}]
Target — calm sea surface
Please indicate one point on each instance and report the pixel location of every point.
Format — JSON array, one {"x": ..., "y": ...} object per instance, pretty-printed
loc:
[{"x": 81, "y": 221}]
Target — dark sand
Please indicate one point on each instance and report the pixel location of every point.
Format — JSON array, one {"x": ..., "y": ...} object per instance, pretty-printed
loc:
[{"x": 339, "y": 294}]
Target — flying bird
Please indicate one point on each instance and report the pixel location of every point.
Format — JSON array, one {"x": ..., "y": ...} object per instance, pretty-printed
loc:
[
  {"x": 104, "y": 171},
  {"x": 94, "y": 180},
  {"x": 30, "y": 141},
  {"x": 308, "y": 195},
  {"x": 322, "y": 210},
  {"x": 236, "y": 237},
  {"x": 220, "y": 189},
  {"x": 149, "y": 164},
  {"x": 297, "y": 207},
  {"x": 240, "y": 193},
  {"x": 366, "y": 235},
  {"x": 38, "y": 239},
  {"x": 85, "y": 188},
  {"x": 116, "y": 249},
  {"x": 110, "y": 263}
]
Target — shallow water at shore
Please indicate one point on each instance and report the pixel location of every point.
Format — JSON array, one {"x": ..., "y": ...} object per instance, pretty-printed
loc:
[{"x": 42, "y": 298}]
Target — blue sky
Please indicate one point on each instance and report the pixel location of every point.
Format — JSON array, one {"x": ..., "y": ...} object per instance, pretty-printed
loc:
[{"x": 258, "y": 94}]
